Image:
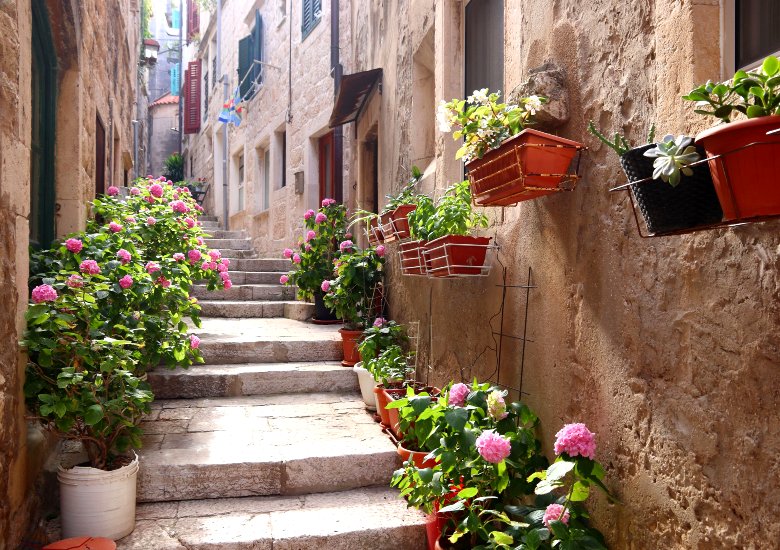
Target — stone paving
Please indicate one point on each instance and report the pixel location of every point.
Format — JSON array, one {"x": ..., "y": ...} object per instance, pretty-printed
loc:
[{"x": 267, "y": 445}]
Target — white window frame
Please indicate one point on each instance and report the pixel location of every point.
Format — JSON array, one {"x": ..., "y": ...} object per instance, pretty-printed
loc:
[
  {"x": 241, "y": 179},
  {"x": 728, "y": 40}
]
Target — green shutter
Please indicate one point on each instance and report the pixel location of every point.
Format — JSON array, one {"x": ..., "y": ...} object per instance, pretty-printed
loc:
[
  {"x": 244, "y": 63},
  {"x": 257, "y": 50}
]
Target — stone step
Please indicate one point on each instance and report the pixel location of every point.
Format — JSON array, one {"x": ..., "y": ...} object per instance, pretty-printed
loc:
[
  {"x": 222, "y": 234},
  {"x": 229, "y": 244},
  {"x": 246, "y": 293},
  {"x": 372, "y": 517},
  {"x": 300, "y": 311},
  {"x": 251, "y": 379},
  {"x": 234, "y": 254},
  {"x": 232, "y": 341},
  {"x": 290, "y": 444},
  {"x": 261, "y": 264},
  {"x": 254, "y": 277}
]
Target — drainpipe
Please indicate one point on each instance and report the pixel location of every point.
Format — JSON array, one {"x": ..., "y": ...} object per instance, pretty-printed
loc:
[
  {"x": 224, "y": 80},
  {"x": 337, "y": 70}
]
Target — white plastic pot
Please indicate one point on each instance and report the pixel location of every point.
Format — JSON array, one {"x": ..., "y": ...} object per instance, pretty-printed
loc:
[
  {"x": 367, "y": 384},
  {"x": 97, "y": 503}
]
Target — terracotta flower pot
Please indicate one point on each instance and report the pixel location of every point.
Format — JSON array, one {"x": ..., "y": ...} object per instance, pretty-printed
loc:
[
  {"x": 457, "y": 255},
  {"x": 386, "y": 225},
  {"x": 400, "y": 221},
  {"x": 375, "y": 235},
  {"x": 389, "y": 416},
  {"x": 418, "y": 457},
  {"x": 349, "y": 341},
  {"x": 748, "y": 180},
  {"x": 412, "y": 259},
  {"x": 528, "y": 165}
]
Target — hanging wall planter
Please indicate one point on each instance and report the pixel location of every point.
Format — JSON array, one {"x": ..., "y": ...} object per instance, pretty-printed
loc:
[
  {"x": 400, "y": 221},
  {"x": 412, "y": 259},
  {"x": 458, "y": 255},
  {"x": 666, "y": 208},
  {"x": 746, "y": 167},
  {"x": 375, "y": 235},
  {"x": 529, "y": 165}
]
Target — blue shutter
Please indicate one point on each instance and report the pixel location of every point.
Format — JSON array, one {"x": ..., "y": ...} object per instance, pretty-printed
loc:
[
  {"x": 175, "y": 84},
  {"x": 176, "y": 19}
]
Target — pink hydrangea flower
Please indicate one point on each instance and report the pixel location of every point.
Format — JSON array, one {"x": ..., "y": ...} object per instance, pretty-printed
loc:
[
  {"x": 496, "y": 405},
  {"x": 327, "y": 202},
  {"x": 307, "y": 248},
  {"x": 190, "y": 222},
  {"x": 123, "y": 255},
  {"x": 296, "y": 259},
  {"x": 205, "y": 266},
  {"x": 74, "y": 245},
  {"x": 150, "y": 221},
  {"x": 162, "y": 281},
  {"x": 44, "y": 293},
  {"x": 310, "y": 235},
  {"x": 213, "y": 266},
  {"x": 227, "y": 284},
  {"x": 199, "y": 240},
  {"x": 320, "y": 218},
  {"x": 555, "y": 512},
  {"x": 380, "y": 251},
  {"x": 379, "y": 321},
  {"x": 75, "y": 281},
  {"x": 175, "y": 194},
  {"x": 284, "y": 279},
  {"x": 226, "y": 262},
  {"x": 194, "y": 341},
  {"x": 222, "y": 268},
  {"x": 89, "y": 267},
  {"x": 152, "y": 267},
  {"x": 346, "y": 245},
  {"x": 126, "y": 282},
  {"x": 130, "y": 219},
  {"x": 135, "y": 191},
  {"x": 458, "y": 394},
  {"x": 178, "y": 256},
  {"x": 225, "y": 276},
  {"x": 325, "y": 286},
  {"x": 112, "y": 191},
  {"x": 199, "y": 208},
  {"x": 194, "y": 255},
  {"x": 115, "y": 227},
  {"x": 493, "y": 447},
  {"x": 156, "y": 190},
  {"x": 179, "y": 206},
  {"x": 287, "y": 253},
  {"x": 575, "y": 439},
  {"x": 215, "y": 255},
  {"x": 309, "y": 213},
  {"x": 149, "y": 199}
]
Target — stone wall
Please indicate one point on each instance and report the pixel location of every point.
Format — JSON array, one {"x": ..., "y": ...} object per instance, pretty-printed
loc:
[
  {"x": 667, "y": 348},
  {"x": 97, "y": 52}
]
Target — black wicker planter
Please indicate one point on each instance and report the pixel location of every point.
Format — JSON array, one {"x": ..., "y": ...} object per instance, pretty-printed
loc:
[{"x": 692, "y": 203}]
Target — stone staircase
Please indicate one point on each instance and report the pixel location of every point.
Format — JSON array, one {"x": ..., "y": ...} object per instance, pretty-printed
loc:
[{"x": 267, "y": 445}]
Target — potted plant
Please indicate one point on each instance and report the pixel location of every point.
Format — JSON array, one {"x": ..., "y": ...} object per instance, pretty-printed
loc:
[
  {"x": 351, "y": 294},
  {"x": 379, "y": 336},
  {"x": 447, "y": 231},
  {"x": 743, "y": 154},
  {"x": 390, "y": 368},
  {"x": 673, "y": 195},
  {"x": 313, "y": 258},
  {"x": 418, "y": 421},
  {"x": 506, "y": 162},
  {"x": 394, "y": 214},
  {"x": 413, "y": 258}
]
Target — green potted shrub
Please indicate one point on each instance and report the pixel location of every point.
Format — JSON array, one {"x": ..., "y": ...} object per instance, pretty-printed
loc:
[
  {"x": 379, "y": 336},
  {"x": 506, "y": 161},
  {"x": 745, "y": 164},
  {"x": 672, "y": 196},
  {"x": 393, "y": 217},
  {"x": 419, "y": 415},
  {"x": 412, "y": 252},
  {"x": 450, "y": 247},
  {"x": 313, "y": 258},
  {"x": 352, "y": 293},
  {"x": 391, "y": 370}
]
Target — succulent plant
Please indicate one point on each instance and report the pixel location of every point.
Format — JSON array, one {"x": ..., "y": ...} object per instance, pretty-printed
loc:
[
  {"x": 672, "y": 157},
  {"x": 619, "y": 143}
]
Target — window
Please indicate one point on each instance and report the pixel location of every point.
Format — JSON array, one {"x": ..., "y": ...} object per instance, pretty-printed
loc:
[
  {"x": 192, "y": 97},
  {"x": 100, "y": 156},
  {"x": 205, "y": 96},
  {"x": 240, "y": 182},
  {"x": 193, "y": 20},
  {"x": 484, "y": 45},
  {"x": 755, "y": 31},
  {"x": 214, "y": 71},
  {"x": 311, "y": 15},
  {"x": 280, "y": 150},
  {"x": 266, "y": 179},
  {"x": 250, "y": 52}
]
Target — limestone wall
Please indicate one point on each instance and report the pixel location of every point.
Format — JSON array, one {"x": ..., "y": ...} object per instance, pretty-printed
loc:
[
  {"x": 668, "y": 348},
  {"x": 97, "y": 50}
]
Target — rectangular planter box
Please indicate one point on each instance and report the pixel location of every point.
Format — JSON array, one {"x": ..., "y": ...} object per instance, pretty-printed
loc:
[
  {"x": 412, "y": 258},
  {"x": 457, "y": 255}
]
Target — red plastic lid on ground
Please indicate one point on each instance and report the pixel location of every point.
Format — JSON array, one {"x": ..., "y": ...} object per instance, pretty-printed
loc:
[{"x": 82, "y": 543}]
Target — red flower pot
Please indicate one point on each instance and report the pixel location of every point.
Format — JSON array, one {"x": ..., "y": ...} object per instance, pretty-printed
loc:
[
  {"x": 349, "y": 341},
  {"x": 457, "y": 255},
  {"x": 528, "y": 165},
  {"x": 375, "y": 235},
  {"x": 747, "y": 181},
  {"x": 386, "y": 226},
  {"x": 418, "y": 457},
  {"x": 400, "y": 220},
  {"x": 412, "y": 259}
]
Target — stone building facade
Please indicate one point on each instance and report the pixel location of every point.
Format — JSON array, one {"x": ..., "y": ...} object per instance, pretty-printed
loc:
[
  {"x": 68, "y": 83},
  {"x": 668, "y": 348}
]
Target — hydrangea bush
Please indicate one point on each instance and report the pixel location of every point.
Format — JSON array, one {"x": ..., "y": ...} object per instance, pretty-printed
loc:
[
  {"x": 110, "y": 303},
  {"x": 351, "y": 294}
]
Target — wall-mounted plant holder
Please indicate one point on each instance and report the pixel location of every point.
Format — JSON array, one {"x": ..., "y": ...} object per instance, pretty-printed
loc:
[
  {"x": 413, "y": 258},
  {"x": 529, "y": 165},
  {"x": 458, "y": 256},
  {"x": 375, "y": 233},
  {"x": 395, "y": 225},
  {"x": 744, "y": 200}
]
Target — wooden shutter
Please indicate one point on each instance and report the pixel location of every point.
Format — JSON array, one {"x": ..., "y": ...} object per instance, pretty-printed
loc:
[
  {"x": 306, "y": 17},
  {"x": 192, "y": 97},
  {"x": 193, "y": 19},
  {"x": 244, "y": 63},
  {"x": 257, "y": 50}
]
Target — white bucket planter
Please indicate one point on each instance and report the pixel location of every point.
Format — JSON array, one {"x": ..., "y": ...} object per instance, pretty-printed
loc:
[
  {"x": 367, "y": 384},
  {"x": 97, "y": 503}
]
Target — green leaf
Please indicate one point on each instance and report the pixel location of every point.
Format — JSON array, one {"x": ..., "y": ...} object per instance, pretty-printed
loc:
[
  {"x": 755, "y": 111},
  {"x": 559, "y": 469},
  {"x": 580, "y": 491},
  {"x": 771, "y": 65},
  {"x": 101, "y": 294},
  {"x": 501, "y": 538},
  {"x": 456, "y": 418},
  {"x": 468, "y": 492},
  {"x": 93, "y": 415}
]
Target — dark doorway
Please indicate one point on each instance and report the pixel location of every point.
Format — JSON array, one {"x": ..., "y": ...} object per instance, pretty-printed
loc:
[
  {"x": 100, "y": 157},
  {"x": 484, "y": 49},
  {"x": 44, "y": 95},
  {"x": 329, "y": 182}
]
